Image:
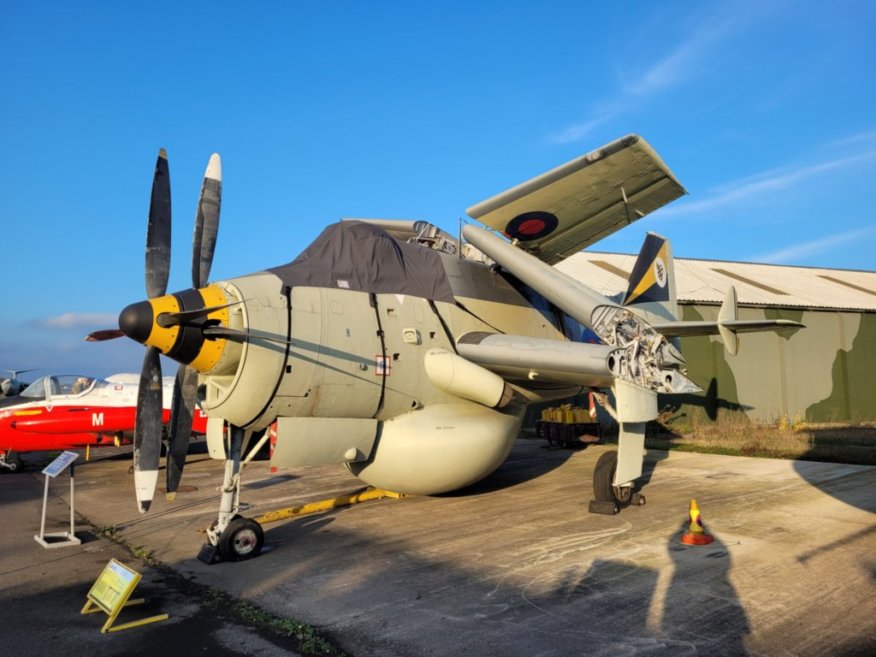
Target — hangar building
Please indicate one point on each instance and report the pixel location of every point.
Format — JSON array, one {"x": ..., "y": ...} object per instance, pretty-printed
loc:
[{"x": 823, "y": 373}]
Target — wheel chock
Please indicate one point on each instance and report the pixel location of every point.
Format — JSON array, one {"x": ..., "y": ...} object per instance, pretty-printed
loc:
[
  {"x": 696, "y": 535},
  {"x": 605, "y": 507},
  {"x": 209, "y": 554}
]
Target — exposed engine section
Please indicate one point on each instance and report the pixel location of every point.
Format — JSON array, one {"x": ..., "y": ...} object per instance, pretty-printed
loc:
[
  {"x": 648, "y": 360},
  {"x": 647, "y": 357}
]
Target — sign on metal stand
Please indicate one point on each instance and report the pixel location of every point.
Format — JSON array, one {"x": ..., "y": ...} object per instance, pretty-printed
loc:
[
  {"x": 110, "y": 594},
  {"x": 58, "y": 539}
]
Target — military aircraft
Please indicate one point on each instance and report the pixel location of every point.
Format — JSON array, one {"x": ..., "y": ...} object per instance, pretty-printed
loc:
[
  {"x": 12, "y": 386},
  {"x": 409, "y": 355},
  {"x": 72, "y": 411}
]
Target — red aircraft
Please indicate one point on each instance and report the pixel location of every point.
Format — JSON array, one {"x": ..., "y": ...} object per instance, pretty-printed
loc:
[{"x": 70, "y": 412}]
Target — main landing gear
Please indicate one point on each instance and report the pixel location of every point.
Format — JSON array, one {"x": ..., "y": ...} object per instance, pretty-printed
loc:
[{"x": 610, "y": 499}]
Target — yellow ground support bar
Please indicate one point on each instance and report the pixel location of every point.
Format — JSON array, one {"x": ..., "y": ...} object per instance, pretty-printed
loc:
[{"x": 325, "y": 505}]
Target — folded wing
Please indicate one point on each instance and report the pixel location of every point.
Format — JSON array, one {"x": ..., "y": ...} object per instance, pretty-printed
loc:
[{"x": 578, "y": 203}]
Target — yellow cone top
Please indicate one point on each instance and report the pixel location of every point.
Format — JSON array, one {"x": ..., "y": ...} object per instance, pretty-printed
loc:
[{"x": 696, "y": 522}]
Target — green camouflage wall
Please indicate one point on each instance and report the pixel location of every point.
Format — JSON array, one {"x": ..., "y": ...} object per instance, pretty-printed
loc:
[{"x": 823, "y": 373}]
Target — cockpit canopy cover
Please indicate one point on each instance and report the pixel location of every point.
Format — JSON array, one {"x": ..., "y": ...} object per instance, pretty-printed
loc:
[{"x": 354, "y": 255}]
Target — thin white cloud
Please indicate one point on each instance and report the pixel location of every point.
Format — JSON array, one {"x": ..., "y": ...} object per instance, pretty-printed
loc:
[
  {"x": 578, "y": 131},
  {"x": 743, "y": 190},
  {"x": 678, "y": 66},
  {"x": 682, "y": 63},
  {"x": 804, "y": 249},
  {"x": 862, "y": 138},
  {"x": 80, "y": 320}
]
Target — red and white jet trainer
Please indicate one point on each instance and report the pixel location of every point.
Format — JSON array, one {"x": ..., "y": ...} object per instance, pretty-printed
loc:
[{"x": 69, "y": 411}]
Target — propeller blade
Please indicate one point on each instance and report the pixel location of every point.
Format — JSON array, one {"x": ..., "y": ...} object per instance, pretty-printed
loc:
[
  {"x": 182, "y": 409},
  {"x": 158, "y": 232},
  {"x": 236, "y": 335},
  {"x": 147, "y": 430},
  {"x": 207, "y": 222},
  {"x": 168, "y": 319},
  {"x": 104, "y": 334}
]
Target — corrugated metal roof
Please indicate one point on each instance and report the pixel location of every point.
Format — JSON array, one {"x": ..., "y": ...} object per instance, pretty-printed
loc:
[{"x": 706, "y": 281}]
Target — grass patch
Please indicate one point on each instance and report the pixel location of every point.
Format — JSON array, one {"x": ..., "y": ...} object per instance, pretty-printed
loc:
[{"x": 835, "y": 443}]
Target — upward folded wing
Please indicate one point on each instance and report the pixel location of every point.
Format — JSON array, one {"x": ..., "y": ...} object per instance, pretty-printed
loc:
[{"x": 578, "y": 203}]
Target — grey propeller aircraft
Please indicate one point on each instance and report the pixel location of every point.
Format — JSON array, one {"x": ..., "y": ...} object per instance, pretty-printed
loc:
[
  {"x": 409, "y": 355},
  {"x": 11, "y": 386}
]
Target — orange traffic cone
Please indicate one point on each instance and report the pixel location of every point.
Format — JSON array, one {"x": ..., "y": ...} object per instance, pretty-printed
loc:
[{"x": 695, "y": 534}]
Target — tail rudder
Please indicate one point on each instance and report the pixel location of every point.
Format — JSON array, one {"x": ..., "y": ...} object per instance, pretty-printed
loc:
[{"x": 652, "y": 283}]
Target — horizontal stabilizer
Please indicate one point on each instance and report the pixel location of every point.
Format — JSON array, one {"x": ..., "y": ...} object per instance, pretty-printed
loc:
[
  {"x": 690, "y": 329},
  {"x": 727, "y": 325}
]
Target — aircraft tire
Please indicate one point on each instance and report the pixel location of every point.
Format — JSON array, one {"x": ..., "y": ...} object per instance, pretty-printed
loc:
[
  {"x": 14, "y": 465},
  {"x": 242, "y": 539},
  {"x": 603, "y": 476}
]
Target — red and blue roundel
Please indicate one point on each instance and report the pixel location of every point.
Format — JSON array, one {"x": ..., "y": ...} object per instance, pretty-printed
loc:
[{"x": 531, "y": 226}]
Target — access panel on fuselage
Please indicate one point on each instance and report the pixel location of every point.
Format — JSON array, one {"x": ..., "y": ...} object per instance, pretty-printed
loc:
[
  {"x": 350, "y": 355},
  {"x": 332, "y": 369},
  {"x": 410, "y": 328}
]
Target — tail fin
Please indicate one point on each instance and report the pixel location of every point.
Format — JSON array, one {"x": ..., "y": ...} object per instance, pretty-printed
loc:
[{"x": 652, "y": 284}]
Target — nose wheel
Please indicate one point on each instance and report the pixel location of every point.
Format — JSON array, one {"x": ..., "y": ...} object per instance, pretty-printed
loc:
[{"x": 243, "y": 539}]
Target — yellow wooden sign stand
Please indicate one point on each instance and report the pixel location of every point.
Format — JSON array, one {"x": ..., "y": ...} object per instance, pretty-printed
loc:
[{"x": 110, "y": 594}]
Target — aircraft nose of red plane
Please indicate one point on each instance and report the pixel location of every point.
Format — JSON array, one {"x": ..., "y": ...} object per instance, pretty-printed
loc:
[{"x": 136, "y": 320}]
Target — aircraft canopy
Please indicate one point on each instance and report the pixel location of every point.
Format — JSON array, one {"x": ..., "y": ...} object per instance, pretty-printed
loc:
[{"x": 354, "y": 255}]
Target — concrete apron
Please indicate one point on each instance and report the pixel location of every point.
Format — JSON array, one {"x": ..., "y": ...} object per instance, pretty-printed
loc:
[{"x": 516, "y": 565}]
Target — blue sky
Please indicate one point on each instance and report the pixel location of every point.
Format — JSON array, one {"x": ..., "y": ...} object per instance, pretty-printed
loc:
[{"x": 764, "y": 111}]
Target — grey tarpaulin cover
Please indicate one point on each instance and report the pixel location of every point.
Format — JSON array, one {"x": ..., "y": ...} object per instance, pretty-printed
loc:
[{"x": 359, "y": 256}]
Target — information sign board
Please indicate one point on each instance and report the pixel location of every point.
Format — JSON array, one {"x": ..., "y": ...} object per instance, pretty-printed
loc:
[
  {"x": 57, "y": 466},
  {"x": 110, "y": 594},
  {"x": 113, "y": 587}
]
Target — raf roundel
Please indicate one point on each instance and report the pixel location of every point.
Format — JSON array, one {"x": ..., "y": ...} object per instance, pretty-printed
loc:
[{"x": 531, "y": 226}]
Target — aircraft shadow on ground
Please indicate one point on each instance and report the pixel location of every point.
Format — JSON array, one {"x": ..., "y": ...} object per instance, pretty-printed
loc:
[
  {"x": 710, "y": 401},
  {"x": 858, "y": 445},
  {"x": 576, "y": 606},
  {"x": 516, "y": 470}
]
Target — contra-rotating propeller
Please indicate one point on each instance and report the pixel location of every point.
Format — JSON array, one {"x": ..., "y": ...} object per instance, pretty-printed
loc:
[{"x": 148, "y": 423}]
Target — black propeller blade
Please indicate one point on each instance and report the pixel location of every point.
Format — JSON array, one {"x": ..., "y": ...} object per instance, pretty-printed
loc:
[
  {"x": 158, "y": 232},
  {"x": 104, "y": 334},
  {"x": 207, "y": 222},
  {"x": 147, "y": 429},
  {"x": 168, "y": 319},
  {"x": 236, "y": 335},
  {"x": 180, "y": 429}
]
